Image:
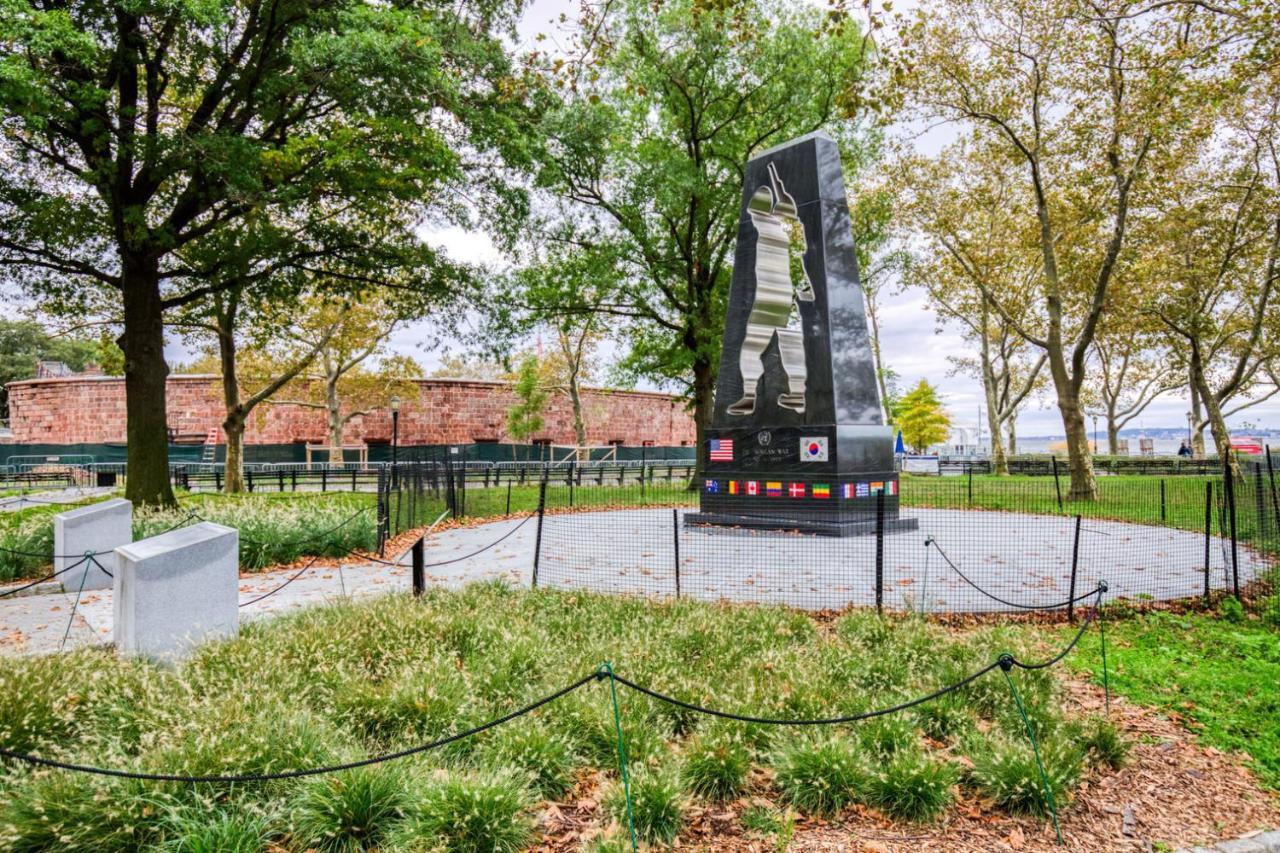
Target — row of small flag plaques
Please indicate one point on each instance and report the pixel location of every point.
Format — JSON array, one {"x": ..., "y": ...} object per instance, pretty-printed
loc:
[{"x": 822, "y": 491}]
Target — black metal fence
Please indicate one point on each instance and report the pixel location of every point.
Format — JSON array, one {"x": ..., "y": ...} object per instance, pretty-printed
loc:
[{"x": 971, "y": 543}]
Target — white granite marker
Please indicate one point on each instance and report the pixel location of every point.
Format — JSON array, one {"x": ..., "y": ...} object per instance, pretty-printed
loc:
[
  {"x": 100, "y": 527},
  {"x": 176, "y": 590}
]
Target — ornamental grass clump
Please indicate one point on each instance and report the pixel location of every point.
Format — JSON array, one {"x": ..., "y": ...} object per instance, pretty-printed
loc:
[
  {"x": 716, "y": 765},
  {"x": 1006, "y": 771},
  {"x": 545, "y": 757},
  {"x": 349, "y": 811},
  {"x": 217, "y": 832},
  {"x": 821, "y": 777},
  {"x": 911, "y": 787},
  {"x": 483, "y": 812},
  {"x": 657, "y": 805}
]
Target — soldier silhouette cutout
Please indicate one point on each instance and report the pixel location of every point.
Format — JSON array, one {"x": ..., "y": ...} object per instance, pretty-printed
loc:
[{"x": 777, "y": 297}]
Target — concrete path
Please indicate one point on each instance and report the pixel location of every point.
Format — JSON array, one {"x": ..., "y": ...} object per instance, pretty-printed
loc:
[
  {"x": 1025, "y": 559},
  {"x": 60, "y": 496}
]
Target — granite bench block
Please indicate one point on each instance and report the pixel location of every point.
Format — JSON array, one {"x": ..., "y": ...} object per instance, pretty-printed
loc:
[
  {"x": 100, "y": 527},
  {"x": 176, "y": 590}
]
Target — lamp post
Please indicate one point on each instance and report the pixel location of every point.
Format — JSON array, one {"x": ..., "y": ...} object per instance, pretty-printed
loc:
[
  {"x": 1095, "y": 435},
  {"x": 395, "y": 437},
  {"x": 1191, "y": 419}
]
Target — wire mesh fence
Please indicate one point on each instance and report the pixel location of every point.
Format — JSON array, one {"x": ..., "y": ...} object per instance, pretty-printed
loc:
[{"x": 969, "y": 543}]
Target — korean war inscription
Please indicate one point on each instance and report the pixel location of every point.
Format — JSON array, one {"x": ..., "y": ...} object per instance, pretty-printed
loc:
[{"x": 798, "y": 439}]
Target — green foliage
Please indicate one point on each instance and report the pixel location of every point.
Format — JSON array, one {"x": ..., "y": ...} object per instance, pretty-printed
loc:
[
  {"x": 716, "y": 765},
  {"x": 1104, "y": 744},
  {"x": 1270, "y": 611},
  {"x": 640, "y": 150},
  {"x": 331, "y": 684},
  {"x": 1231, "y": 610},
  {"x": 657, "y": 805},
  {"x": 274, "y": 528},
  {"x": 1216, "y": 674},
  {"x": 821, "y": 777},
  {"x": 921, "y": 417},
  {"x": 911, "y": 787},
  {"x": 524, "y": 418},
  {"x": 24, "y": 343},
  {"x": 1006, "y": 771},
  {"x": 200, "y": 832},
  {"x": 350, "y": 811},
  {"x": 546, "y": 757},
  {"x": 478, "y": 813}
]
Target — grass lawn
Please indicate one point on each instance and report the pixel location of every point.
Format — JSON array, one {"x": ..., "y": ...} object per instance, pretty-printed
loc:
[
  {"x": 1221, "y": 676},
  {"x": 338, "y": 683},
  {"x": 274, "y": 528}
]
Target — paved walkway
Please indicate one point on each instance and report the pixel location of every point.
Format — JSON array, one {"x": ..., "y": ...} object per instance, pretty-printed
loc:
[
  {"x": 60, "y": 496},
  {"x": 1023, "y": 558}
]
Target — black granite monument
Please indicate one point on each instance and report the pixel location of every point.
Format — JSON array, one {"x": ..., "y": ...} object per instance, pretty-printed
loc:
[{"x": 798, "y": 438}]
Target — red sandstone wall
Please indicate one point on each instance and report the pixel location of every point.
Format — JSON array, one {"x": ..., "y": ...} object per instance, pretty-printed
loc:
[{"x": 91, "y": 410}]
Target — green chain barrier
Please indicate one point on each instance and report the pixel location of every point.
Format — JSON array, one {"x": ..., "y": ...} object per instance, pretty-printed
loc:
[
  {"x": 622, "y": 753},
  {"x": 1106, "y": 679},
  {"x": 1006, "y": 664}
]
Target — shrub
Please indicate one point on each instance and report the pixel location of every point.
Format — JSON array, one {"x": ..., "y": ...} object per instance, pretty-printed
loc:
[
  {"x": 545, "y": 757},
  {"x": 349, "y": 811},
  {"x": 1231, "y": 610},
  {"x": 820, "y": 777},
  {"x": 657, "y": 806},
  {"x": 479, "y": 813},
  {"x": 885, "y": 737},
  {"x": 911, "y": 787},
  {"x": 1007, "y": 773},
  {"x": 1271, "y": 612},
  {"x": 716, "y": 766},
  {"x": 200, "y": 832}
]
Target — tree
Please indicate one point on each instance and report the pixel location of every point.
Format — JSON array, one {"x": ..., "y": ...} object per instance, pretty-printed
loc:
[
  {"x": 923, "y": 420},
  {"x": 25, "y": 343},
  {"x": 524, "y": 418},
  {"x": 961, "y": 204},
  {"x": 565, "y": 286},
  {"x": 344, "y": 337},
  {"x": 1216, "y": 244},
  {"x": 137, "y": 136},
  {"x": 1076, "y": 98},
  {"x": 880, "y": 260},
  {"x": 1132, "y": 372},
  {"x": 650, "y": 147}
]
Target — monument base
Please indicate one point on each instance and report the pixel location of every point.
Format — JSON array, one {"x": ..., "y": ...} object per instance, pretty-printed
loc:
[{"x": 818, "y": 527}]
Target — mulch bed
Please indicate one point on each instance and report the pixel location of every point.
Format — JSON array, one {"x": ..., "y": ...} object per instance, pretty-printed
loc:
[{"x": 1171, "y": 791}]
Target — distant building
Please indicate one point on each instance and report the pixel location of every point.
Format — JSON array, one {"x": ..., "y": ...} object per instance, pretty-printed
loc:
[{"x": 62, "y": 409}]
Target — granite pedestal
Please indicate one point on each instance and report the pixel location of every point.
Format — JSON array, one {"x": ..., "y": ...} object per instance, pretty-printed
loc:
[
  {"x": 99, "y": 528},
  {"x": 176, "y": 590}
]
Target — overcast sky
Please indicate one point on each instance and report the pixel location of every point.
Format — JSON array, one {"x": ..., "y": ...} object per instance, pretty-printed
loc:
[{"x": 913, "y": 345}]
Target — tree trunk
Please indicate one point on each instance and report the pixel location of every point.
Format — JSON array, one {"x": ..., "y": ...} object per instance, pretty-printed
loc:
[
  {"x": 575, "y": 397},
  {"x": 1113, "y": 437},
  {"x": 704, "y": 400},
  {"x": 145, "y": 373},
  {"x": 873, "y": 314},
  {"x": 333, "y": 408},
  {"x": 233, "y": 429},
  {"x": 1013, "y": 434},
  {"x": 1079, "y": 459},
  {"x": 1197, "y": 426},
  {"x": 1213, "y": 412}
]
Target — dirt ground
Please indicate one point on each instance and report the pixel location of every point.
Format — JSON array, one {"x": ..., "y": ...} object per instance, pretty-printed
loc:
[{"x": 1171, "y": 793}]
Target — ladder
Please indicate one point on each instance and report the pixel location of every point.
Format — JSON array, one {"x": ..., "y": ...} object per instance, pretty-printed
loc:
[{"x": 211, "y": 445}]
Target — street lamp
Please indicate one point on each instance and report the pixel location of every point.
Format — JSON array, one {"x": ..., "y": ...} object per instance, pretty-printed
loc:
[
  {"x": 1191, "y": 419},
  {"x": 1095, "y": 435},
  {"x": 395, "y": 435}
]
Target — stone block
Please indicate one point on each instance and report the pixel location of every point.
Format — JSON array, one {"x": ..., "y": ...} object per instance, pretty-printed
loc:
[
  {"x": 176, "y": 590},
  {"x": 100, "y": 527},
  {"x": 1269, "y": 840},
  {"x": 1241, "y": 845}
]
